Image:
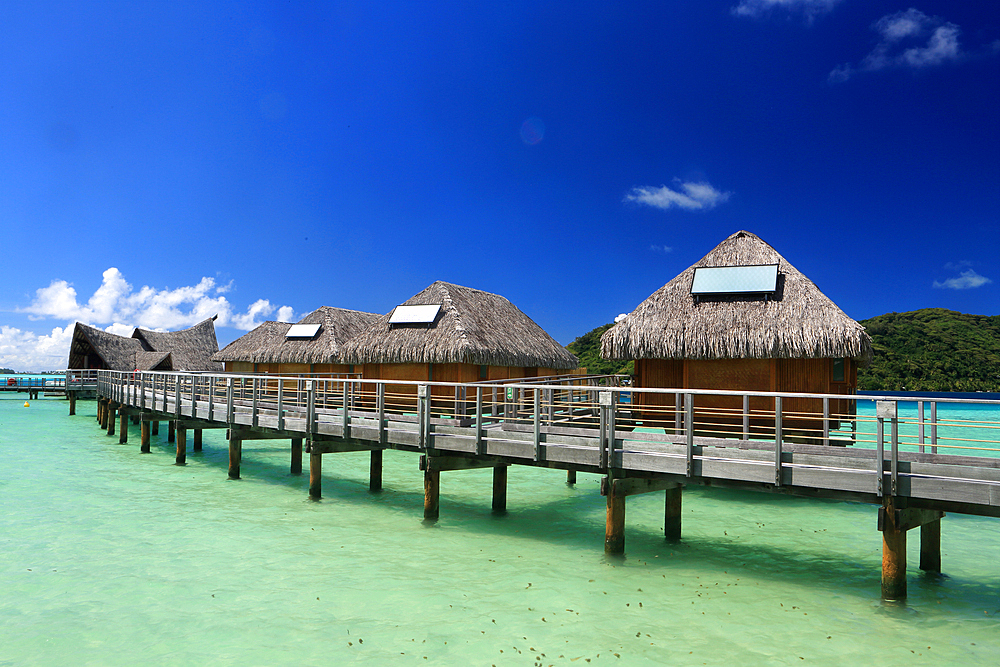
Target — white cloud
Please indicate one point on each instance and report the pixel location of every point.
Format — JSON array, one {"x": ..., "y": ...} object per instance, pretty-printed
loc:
[
  {"x": 661, "y": 248},
  {"x": 26, "y": 351},
  {"x": 760, "y": 8},
  {"x": 965, "y": 280},
  {"x": 116, "y": 303},
  {"x": 690, "y": 196},
  {"x": 910, "y": 39},
  {"x": 621, "y": 317},
  {"x": 286, "y": 314}
]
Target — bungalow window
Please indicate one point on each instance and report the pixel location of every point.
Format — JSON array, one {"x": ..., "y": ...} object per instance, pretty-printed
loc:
[
  {"x": 838, "y": 370},
  {"x": 484, "y": 372}
]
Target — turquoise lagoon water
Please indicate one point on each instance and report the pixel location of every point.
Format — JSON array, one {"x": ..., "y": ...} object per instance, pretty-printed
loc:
[{"x": 112, "y": 557}]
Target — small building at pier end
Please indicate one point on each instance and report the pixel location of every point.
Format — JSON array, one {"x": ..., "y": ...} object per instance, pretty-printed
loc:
[
  {"x": 186, "y": 350},
  {"x": 742, "y": 318}
]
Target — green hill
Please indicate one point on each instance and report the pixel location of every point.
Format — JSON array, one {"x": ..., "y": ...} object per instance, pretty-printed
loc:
[
  {"x": 933, "y": 350},
  {"x": 925, "y": 350}
]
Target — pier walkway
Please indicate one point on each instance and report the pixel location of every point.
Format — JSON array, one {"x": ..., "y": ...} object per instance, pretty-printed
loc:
[{"x": 640, "y": 440}]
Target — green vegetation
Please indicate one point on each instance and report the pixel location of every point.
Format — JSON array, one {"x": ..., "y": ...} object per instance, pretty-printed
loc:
[
  {"x": 933, "y": 350},
  {"x": 925, "y": 350},
  {"x": 588, "y": 349}
]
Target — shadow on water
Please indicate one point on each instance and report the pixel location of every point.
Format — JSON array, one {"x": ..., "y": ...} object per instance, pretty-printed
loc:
[{"x": 576, "y": 519}]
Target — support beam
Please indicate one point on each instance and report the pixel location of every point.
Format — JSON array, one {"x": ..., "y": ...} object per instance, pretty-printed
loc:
[
  {"x": 930, "y": 546},
  {"x": 296, "y": 467},
  {"x": 672, "y": 514},
  {"x": 235, "y": 456},
  {"x": 144, "y": 437},
  {"x": 123, "y": 427},
  {"x": 614, "y": 531},
  {"x": 500, "y": 489},
  {"x": 893, "y": 553},
  {"x": 197, "y": 440},
  {"x": 432, "y": 491},
  {"x": 171, "y": 430},
  {"x": 455, "y": 463},
  {"x": 375, "y": 471},
  {"x": 315, "y": 473},
  {"x": 181, "y": 446},
  {"x": 571, "y": 477}
]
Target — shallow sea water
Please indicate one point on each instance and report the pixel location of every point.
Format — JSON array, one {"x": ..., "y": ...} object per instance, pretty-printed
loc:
[{"x": 112, "y": 557}]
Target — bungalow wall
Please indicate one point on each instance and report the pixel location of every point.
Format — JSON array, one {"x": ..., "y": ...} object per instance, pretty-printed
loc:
[{"x": 722, "y": 414}]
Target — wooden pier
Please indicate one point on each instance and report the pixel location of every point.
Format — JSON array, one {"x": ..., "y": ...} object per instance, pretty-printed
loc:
[{"x": 582, "y": 424}]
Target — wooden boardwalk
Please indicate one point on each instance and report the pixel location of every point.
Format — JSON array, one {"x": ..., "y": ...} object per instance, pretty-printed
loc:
[{"x": 574, "y": 424}]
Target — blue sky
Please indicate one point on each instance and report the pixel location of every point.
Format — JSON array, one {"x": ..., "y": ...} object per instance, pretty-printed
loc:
[{"x": 162, "y": 162}]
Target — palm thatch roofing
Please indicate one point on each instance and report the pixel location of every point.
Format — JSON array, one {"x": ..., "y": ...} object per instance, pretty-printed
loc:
[
  {"x": 799, "y": 321},
  {"x": 113, "y": 352},
  {"x": 267, "y": 344},
  {"x": 472, "y": 327},
  {"x": 190, "y": 349},
  {"x": 186, "y": 350}
]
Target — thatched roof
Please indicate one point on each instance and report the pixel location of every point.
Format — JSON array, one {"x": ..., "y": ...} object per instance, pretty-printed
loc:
[
  {"x": 798, "y": 321},
  {"x": 190, "y": 349},
  {"x": 267, "y": 343},
  {"x": 116, "y": 353},
  {"x": 472, "y": 327}
]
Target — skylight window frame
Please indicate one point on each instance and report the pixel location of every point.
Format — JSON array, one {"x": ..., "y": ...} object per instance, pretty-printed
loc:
[
  {"x": 307, "y": 331},
  {"x": 425, "y": 314},
  {"x": 763, "y": 285}
]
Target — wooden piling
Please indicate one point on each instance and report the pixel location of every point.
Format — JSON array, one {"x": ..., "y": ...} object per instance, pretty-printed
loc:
[
  {"x": 181, "y": 446},
  {"x": 930, "y": 546},
  {"x": 571, "y": 477},
  {"x": 154, "y": 428},
  {"x": 315, "y": 473},
  {"x": 144, "y": 437},
  {"x": 432, "y": 491},
  {"x": 235, "y": 457},
  {"x": 672, "y": 514},
  {"x": 72, "y": 403},
  {"x": 893, "y": 554},
  {"x": 499, "y": 489},
  {"x": 614, "y": 532},
  {"x": 112, "y": 415},
  {"x": 171, "y": 430},
  {"x": 100, "y": 410},
  {"x": 123, "y": 427},
  {"x": 197, "y": 440},
  {"x": 375, "y": 471},
  {"x": 296, "y": 467}
]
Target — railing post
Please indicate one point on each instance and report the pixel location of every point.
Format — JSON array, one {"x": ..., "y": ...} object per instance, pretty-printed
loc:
[
  {"x": 689, "y": 433},
  {"x": 933, "y": 427},
  {"x": 604, "y": 402},
  {"x": 177, "y": 396},
  {"x": 678, "y": 413},
  {"x": 211, "y": 398},
  {"x": 230, "y": 405},
  {"x": 424, "y": 440},
  {"x": 894, "y": 447},
  {"x": 778, "y": 435},
  {"x": 310, "y": 408},
  {"x": 920, "y": 426},
  {"x": 480, "y": 444},
  {"x": 281, "y": 407},
  {"x": 142, "y": 390},
  {"x": 194, "y": 398},
  {"x": 254, "y": 389},
  {"x": 346, "y": 425},
  {"x": 380, "y": 406},
  {"x": 537, "y": 421},
  {"x": 883, "y": 410},
  {"x": 746, "y": 416},
  {"x": 826, "y": 420}
]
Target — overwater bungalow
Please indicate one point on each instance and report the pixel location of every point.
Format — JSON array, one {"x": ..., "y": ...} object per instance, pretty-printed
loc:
[
  {"x": 312, "y": 345},
  {"x": 186, "y": 350},
  {"x": 742, "y": 318},
  {"x": 450, "y": 333}
]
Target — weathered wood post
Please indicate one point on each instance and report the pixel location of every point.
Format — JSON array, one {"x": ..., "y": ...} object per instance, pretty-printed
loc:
[
  {"x": 500, "y": 489},
  {"x": 432, "y": 491},
  {"x": 571, "y": 477},
  {"x": 72, "y": 403},
  {"x": 154, "y": 428},
  {"x": 375, "y": 471},
  {"x": 123, "y": 427},
  {"x": 614, "y": 531},
  {"x": 112, "y": 417},
  {"x": 315, "y": 471},
  {"x": 930, "y": 546},
  {"x": 672, "y": 514},
  {"x": 171, "y": 430},
  {"x": 181, "y": 445},
  {"x": 197, "y": 440},
  {"x": 296, "y": 467},
  {"x": 235, "y": 453},
  {"x": 893, "y": 552},
  {"x": 144, "y": 437}
]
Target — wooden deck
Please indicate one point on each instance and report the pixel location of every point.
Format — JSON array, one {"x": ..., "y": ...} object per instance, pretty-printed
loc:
[{"x": 575, "y": 425}]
